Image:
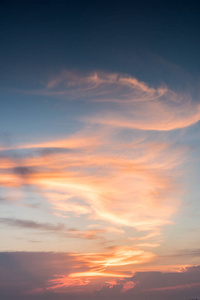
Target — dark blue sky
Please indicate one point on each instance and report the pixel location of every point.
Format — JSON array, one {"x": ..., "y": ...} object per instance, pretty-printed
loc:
[{"x": 136, "y": 37}]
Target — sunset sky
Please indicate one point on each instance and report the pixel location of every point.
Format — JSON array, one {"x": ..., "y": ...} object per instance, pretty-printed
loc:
[{"x": 100, "y": 150}]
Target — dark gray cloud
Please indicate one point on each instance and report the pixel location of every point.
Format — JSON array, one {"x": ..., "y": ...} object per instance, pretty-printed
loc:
[
  {"x": 32, "y": 224},
  {"x": 54, "y": 150},
  {"x": 21, "y": 272},
  {"x": 20, "y": 153},
  {"x": 59, "y": 228},
  {"x": 157, "y": 286},
  {"x": 185, "y": 253},
  {"x": 23, "y": 171}
]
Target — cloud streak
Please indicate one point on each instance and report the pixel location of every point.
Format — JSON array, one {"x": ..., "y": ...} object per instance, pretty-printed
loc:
[
  {"x": 61, "y": 229},
  {"x": 95, "y": 177},
  {"x": 86, "y": 182},
  {"x": 124, "y": 101},
  {"x": 125, "y": 182}
]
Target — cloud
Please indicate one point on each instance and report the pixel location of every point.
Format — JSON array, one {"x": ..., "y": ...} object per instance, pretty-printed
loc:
[
  {"x": 129, "y": 187},
  {"x": 124, "y": 101},
  {"x": 89, "y": 183},
  {"x": 46, "y": 275},
  {"x": 126, "y": 182},
  {"x": 101, "y": 86},
  {"x": 60, "y": 272},
  {"x": 102, "y": 264},
  {"x": 156, "y": 116},
  {"x": 157, "y": 285},
  {"x": 23, "y": 171},
  {"x": 24, "y": 271},
  {"x": 47, "y": 227}
]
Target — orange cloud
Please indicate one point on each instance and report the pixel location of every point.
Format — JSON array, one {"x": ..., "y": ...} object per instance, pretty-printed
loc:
[
  {"x": 129, "y": 187},
  {"x": 128, "y": 285},
  {"x": 157, "y": 115},
  {"x": 61, "y": 283},
  {"x": 132, "y": 189},
  {"x": 108, "y": 264}
]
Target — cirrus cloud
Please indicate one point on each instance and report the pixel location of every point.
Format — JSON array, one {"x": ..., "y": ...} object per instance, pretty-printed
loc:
[{"x": 124, "y": 101}]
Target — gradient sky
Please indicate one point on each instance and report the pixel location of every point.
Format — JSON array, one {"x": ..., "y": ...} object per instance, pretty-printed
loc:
[{"x": 99, "y": 150}]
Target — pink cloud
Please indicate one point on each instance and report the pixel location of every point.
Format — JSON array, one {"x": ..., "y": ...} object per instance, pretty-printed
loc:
[{"x": 131, "y": 103}]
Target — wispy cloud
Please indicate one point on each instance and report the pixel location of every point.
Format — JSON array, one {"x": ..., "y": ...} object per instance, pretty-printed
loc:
[
  {"x": 101, "y": 86},
  {"x": 122, "y": 190},
  {"x": 124, "y": 101},
  {"x": 96, "y": 176},
  {"x": 127, "y": 185},
  {"x": 60, "y": 229}
]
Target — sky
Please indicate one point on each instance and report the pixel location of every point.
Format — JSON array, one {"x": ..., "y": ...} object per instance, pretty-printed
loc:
[{"x": 99, "y": 150}]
